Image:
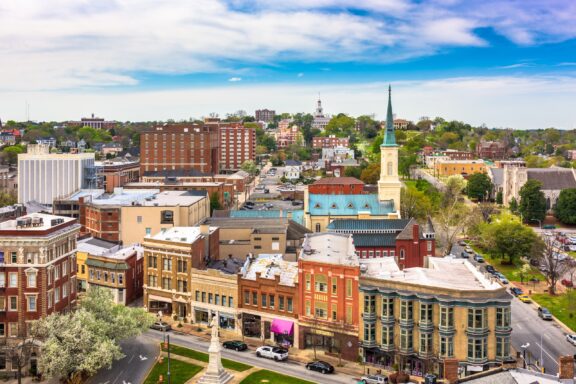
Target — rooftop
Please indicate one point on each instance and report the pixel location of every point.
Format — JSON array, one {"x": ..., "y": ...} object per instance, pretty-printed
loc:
[
  {"x": 515, "y": 376},
  {"x": 553, "y": 178},
  {"x": 35, "y": 222},
  {"x": 338, "y": 181},
  {"x": 269, "y": 266},
  {"x": 187, "y": 235},
  {"x": 360, "y": 225},
  {"x": 139, "y": 197},
  {"x": 95, "y": 246},
  {"x": 230, "y": 265},
  {"x": 329, "y": 248},
  {"x": 348, "y": 205}
]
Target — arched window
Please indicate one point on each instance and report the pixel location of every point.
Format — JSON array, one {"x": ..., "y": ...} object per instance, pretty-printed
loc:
[
  {"x": 317, "y": 227},
  {"x": 390, "y": 169},
  {"x": 402, "y": 254}
]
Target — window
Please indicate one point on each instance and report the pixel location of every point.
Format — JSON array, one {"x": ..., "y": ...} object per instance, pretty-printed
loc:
[
  {"x": 139, "y": 219},
  {"x": 210, "y": 298},
  {"x": 349, "y": 317},
  {"x": 388, "y": 336},
  {"x": 148, "y": 231},
  {"x": 254, "y": 298},
  {"x": 392, "y": 253},
  {"x": 477, "y": 318},
  {"x": 50, "y": 298},
  {"x": 182, "y": 266},
  {"x": 369, "y": 332},
  {"x": 83, "y": 269},
  {"x": 166, "y": 217},
  {"x": 307, "y": 281},
  {"x": 13, "y": 279},
  {"x": 31, "y": 303},
  {"x": 348, "y": 287},
  {"x": 166, "y": 283},
  {"x": 246, "y": 297},
  {"x": 446, "y": 317},
  {"x": 203, "y": 297},
  {"x": 377, "y": 253},
  {"x": 2, "y": 280},
  {"x": 64, "y": 290},
  {"x": 334, "y": 286},
  {"x": 369, "y": 304},
  {"x": 320, "y": 283},
  {"x": 503, "y": 317},
  {"x": 2, "y": 303},
  {"x": 13, "y": 257},
  {"x": 64, "y": 269},
  {"x": 57, "y": 272},
  {"x": 321, "y": 310},
  {"x": 502, "y": 347},
  {"x": 429, "y": 246},
  {"x": 56, "y": 295},
  {"x": 281, "y": 303},
  {"x": 334, "y": 312},
  {"x": 182, "y": 286},
  {"x": 425, "y": 313},
  {"x": 98, "y": 275},
  {"x": 406, "y": 310},
  {"x": 271, "y": 300},
  {"x": 477, "y": 348},
  {"x": 120, "y": 278},
  {"x": 317, "y": 227},
  {"x": 406, "y": 339},
  {"x": 166, "y": 264},
  {"x": 289, "y": 304},
  {"x": 387, "y": 307},
  {"x": 13, "y": 329},
  {"x": 152, "y": 262},
  {"x": 197, "y": 295},
  {"x": 446, "y": 346},
  {"x": 113, "y": 277},
  {"x": 2, "y": 334},
  {"x": 152, "y": 281},
  {"x": 425, "y": 343},
  {"x": 230, "y": 301},
  {"x": 105, "y": 276},
  {"x": 402, "y": 254},
  {"x": 13, "y": 300},
  {"x": 263, "y": 300},
  {"x": 307, "y": 306},
  {"x": 224, "y": 301}
]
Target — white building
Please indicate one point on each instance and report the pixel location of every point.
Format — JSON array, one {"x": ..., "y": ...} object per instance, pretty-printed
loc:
[
  {"x": 320, "y": 120},
  {"x": 43, "y": 176}
]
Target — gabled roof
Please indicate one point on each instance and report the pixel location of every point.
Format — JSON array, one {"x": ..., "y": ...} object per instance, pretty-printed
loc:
[
  {"x": 406, "y": 234},
  {"x": 338, "y": 181},
  {"x": 497, "y": 176},
  {"x": 352, "y": 225},
  {"x": 374, "y": 240},
  {"x": 348, "y": 205},
  {"x": 553, "y": 178}
]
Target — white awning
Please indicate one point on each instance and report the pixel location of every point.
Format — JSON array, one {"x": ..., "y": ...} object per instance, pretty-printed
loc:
[{"x": 159, "y": 298}]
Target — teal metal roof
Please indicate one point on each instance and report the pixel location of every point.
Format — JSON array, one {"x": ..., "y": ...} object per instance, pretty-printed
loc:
[
  {"x": 348, "y": 205},
  {"x": 374, "y": 240},
  {"x": 296, "y": 215},
  {"x": 353, "y": 225}
]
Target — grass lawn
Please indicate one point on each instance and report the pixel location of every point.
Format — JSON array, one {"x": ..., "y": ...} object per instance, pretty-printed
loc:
[
  {"x": 559, "y": 306},
  {"x": 201, "y": 356},
  {"x": 270, "y": 377},
  {"x": 512, "y": 272},
  {"x": 180, "y": 372}
]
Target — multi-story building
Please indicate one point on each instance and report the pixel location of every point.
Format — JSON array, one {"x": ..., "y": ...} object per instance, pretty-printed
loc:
[
  {"x": 493, "y": 150},
  {"x": 92, "y": 122},
  {"x": 44, "y": 176},
  {"x": 404, "y": 240},
  {"x": 401, "y": 124},
  {"x": 420, "y": 318},
  {"x": 320, "y": 120},
  {"x": 90, "y": 246},
  {"x": 180, "y": 147},
  {"x": 328, "y": 272},
  {"x": 237, "y": 145},
  {"x": 289, "y": 136},
  {"x": 268, "y": 288},
  {"x": 117, "y": 172},
  {"x": 459, "y": 167},
  {"x": 265, "y": 115},
  {"x": 330, "y": 141},
  {"x": 119, "y": 271},
  {"x": 37, "y": 271},
  {"x": 170, "y": 256}
]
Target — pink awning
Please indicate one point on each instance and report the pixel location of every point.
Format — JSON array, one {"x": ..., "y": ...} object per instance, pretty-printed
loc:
[{"x": 283, "y": 327}]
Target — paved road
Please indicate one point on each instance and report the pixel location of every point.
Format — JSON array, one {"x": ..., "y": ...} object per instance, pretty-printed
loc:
[
  {"x": 141, "y": 352},
  {"x": 290, "y": 368}
]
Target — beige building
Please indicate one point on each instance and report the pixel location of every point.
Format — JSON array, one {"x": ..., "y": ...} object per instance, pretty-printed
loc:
[
  {"x": 421, "y": 317},
  {"x": 459, "y": 167}
]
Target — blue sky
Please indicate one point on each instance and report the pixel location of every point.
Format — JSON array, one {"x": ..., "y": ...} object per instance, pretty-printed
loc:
[{"x": 507, "y": 63}]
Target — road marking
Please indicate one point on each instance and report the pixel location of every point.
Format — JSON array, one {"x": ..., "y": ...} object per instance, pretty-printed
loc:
[
  {"x": 129, "y": 361},
  {"x": 519, "y": 326},
  {"x": 143, "y": 358},
  {"x": 547, "y": 354},
  {"x": 547, "y": 336},
  {"x": 117, "y": 377}
]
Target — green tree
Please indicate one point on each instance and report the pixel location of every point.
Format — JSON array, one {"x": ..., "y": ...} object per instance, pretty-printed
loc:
[
  {"x": 371, "y": 174},
  {"x": 513, "y": 205},
  {"x": 499, "y": 198},
  {"x": 508, "y": 239},
  {"x": 479, "y": 186},
  {"x": 532, "y": 201},
  {"x": 353, "y": 172},
  {"x": 215, "y": 202},
  {"x": 455, "y": 184},
  {"x": 414, "y": 203},
  {"x": 250, "y": 167},
  {"x": 405, "y": 162},
  {"x": 341, "y": 125},
  {"x": 565, "y": 209},
  {"x": 10, "y": 153}
]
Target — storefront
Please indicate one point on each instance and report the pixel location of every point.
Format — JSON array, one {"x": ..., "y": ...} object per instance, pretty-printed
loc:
[
  {"x": 379, "y": 358},
  {"x": 283, "y": 332},
  {"x": 159, "y": 304},
  {"x": 227, "y": 321},
  {"x": 251, "y": 325},
  {"x": 201, "y": 316}
]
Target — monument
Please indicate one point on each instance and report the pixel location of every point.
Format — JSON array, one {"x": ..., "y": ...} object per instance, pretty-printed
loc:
[{"x": 215, "y": 372}]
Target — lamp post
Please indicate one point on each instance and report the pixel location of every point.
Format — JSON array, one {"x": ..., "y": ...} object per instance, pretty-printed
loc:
[
  {"x": 524, "y": 348},
  {"x": 168, "y": 373}
]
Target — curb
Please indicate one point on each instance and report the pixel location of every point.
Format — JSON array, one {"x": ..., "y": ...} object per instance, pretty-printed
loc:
[{"x": 155, "y": 361}]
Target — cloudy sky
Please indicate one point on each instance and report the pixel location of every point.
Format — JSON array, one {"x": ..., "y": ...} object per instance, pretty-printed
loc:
[{"x": 505, "y": 63}]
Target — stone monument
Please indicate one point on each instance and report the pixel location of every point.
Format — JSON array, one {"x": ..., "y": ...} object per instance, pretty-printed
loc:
[{"x": 215, "y": 372}]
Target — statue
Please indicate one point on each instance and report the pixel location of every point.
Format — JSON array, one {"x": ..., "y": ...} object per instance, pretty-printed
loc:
[{"x": 215, "y": 372}]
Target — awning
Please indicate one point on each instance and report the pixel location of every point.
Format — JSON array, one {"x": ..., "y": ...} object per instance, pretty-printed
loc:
[
  {"x": 282, "y": 327},
  {"x": 159, "y": 298}
]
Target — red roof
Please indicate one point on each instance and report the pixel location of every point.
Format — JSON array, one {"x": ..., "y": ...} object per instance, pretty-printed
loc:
[
  {"x": 14, "y": 131},
  {"x": 338, "y": 180}
]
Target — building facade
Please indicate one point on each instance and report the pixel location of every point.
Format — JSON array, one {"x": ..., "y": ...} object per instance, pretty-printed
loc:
[
  {"x": 89, "y": 246},
  {"x": 117, "y": 173},
  {"x": 237, "y": 145},
  {"x": 493, "y": 150},
  {"x": 459, "y": 167},
  {"x": 331, "y": 141},
  {"x": 265, "y": 115},
  {"x": 43, "y": 177},
  {"x": 320, "y": 120}
]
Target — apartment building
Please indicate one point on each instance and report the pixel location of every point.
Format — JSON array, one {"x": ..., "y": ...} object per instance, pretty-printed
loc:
[
  {"x": 328, "y": 273},
  {"x": 45, "y": 176},
  {"x": 237, "y": 145},
  {"x": 37, "y": 272},
  {"x": 180, "y": 147},
  {"x": 421, "y": 318},
  {"x": 331, "y": 141},
  {"x": 90, "y": 246},
  {"x": 493, "y": 150},
  {"x": 117, "y": 172},
  {"x": 268, "y": 287},
  {"x": 169, "y": 258},
  {"x": 265, "y": 115}
]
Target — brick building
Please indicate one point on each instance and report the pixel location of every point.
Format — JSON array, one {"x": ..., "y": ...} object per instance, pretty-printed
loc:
[
  {"x": 237, "y": 145},
  {"x": 117, "y": 172},
  {"x": 337, "y": 186},
  {"x": 328, "y": 272},
  {"x": 331, "y": 141},
  {"x": 402, "y": 239},
  {"x": 265, "y": 115},
  {"x": 459, "y": 167},
  {"x": 180, "y": 146},
  {"x": 493, "y": 150},
  {"x": 37, "y": 272},
  {"x": 268, "y": 291}
]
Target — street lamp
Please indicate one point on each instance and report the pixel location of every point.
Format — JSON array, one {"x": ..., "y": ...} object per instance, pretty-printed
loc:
[
  {"x": 168, "y": 373},
  {"x": 524, "y": 347}
]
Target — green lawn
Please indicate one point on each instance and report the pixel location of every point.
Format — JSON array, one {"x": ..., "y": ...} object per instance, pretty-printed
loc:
[
  {"x": 180, "y": 372},
  {"x": 560, "y": 307},
  {"x": 270, "y": 377},
  {"x": 512, "y": 272},
  {"x": 201, "y": 356}
]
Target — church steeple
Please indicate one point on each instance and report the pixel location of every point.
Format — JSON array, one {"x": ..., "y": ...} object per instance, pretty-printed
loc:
[{"x": 389, "y": 134}]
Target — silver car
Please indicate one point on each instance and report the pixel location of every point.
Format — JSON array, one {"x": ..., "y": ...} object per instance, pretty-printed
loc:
[{"x": 374, "y": 379}]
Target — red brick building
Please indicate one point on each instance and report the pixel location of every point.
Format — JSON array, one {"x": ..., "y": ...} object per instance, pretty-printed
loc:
[
  {"x": 37, "y": 272},
  {"x": 117, "y": 173},
  {"x": 180, "y": 147},
  {"x": 237, "y": 145},
  {"x": 319, "y": 142},
  {"x": 404, "y": 239},
  {"x": 328, "y": 273},
  {"x": 493, "y": 150},
  {"x": 337, "y": 186}
]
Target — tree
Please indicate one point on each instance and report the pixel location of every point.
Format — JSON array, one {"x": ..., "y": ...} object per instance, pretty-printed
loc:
[
  {"x": 479, "y": 186},
  {"x": 565, "y": 209},
  {"x": 79, "y": 343},
  {"x": 451, "y": 220},
  {"x": 10, "y": 153},
  {"x": 371, "y": 174},
  {"x": 532, "y": 201},
  {"x": 455, "y": 184},
  {"x": 341, "y": 125},
  {"x": 513, "y": 205},
  {"x": 499, "y": 198},
  {"x": 215, "y": 202},
  {"x": 554, "y": 265},
  {"x": 405, "y": 162},
  {"x": 250, "y": 167},
  {"x": 353, "y": 172},
  {"x": 414, "y": 203}
]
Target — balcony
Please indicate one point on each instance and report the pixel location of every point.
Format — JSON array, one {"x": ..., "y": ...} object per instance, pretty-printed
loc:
[
  {"x": 387, "y": 347},
  {"x": 446, "y": 329},
  {"x": 369, "y": 316},
  {"x": 477, "y": 331},
  {"x": 387, "y": 319},
  {"x": 475, "y": 360},
  {"x": 426, "y": 325},
  {"x": 406, "y": 323},
  {"x": 368, "y": 343},
  {"x": 426, "y": 354},
  {"x": 503, "y": 330},
  {"x": 406, "y": 350}
]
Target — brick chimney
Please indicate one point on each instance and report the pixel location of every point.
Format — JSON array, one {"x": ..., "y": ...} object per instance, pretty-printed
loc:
[
  {"x": 415, "y": 233},
  {"x": 451, "y": 371},
  {"x": 566, "y": 368}
]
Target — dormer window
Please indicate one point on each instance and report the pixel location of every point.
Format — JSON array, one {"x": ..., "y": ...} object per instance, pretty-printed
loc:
[
  {"x": 350, "y": 205},
  {"x": 317, "y": 205},
  {"x": 333, "y": 206},
  {"x": 366, "y": 206}
]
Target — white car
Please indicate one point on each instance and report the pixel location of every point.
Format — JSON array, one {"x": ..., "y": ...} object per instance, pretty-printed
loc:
[
  {"x": 374, "y": 379},
  {"x": 571, "y": 339},
  {"x": 275, "y": 353}
]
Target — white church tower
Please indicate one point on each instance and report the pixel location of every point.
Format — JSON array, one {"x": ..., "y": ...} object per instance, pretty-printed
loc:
[{"x": 389, "y": 185}]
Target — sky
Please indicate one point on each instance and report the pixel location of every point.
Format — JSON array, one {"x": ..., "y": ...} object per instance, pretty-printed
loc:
[{"x": 503, "y": 63}]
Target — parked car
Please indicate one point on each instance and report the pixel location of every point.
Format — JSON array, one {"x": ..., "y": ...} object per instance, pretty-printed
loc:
[
  {"x": 275, "y": 353},
  {"x": 161, "y": 326},
  {"x": 501, "y": 277},
  {"x": 478, "y": 258},
  {"x": 567, "y": 283},
  {"x": 464, "y": 254},
  {"x": 374, "y": 379},
  {"x": 490, "y": 269},
  {"x": 462, "y": 243},
  {"x": 297, "y": 202},
  {"x": 544, "y": 313},
  {"x": 549, "y": 226},
  {"x": 516, "y": 291},
  {"x": 524, "y": 298},
  {"x": 320, "y": 366},
  {"x": 269, "y": 205},
  {"x": 248, "y": 206},
  {"x": 571, "y": 339},
  {"x": 236, "y": 345},
  {"x": 251, "y": 203},
  {"x": 468, "y": 249}
]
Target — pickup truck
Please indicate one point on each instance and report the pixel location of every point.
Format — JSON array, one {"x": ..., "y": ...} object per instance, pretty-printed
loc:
[{"x": 275, "y": 353}]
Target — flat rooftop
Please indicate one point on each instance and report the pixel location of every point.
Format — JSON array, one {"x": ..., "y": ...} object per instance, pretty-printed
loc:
[
  {"x": 34, "y": 222},
  {"x": 443, "y": 272},
  {"x": 329, "y": 248},
  {"x": 138, "y": 197},
  {"x": 269, "y": 266},
  {"x": 96, "y": 246},
  {"x": 186, "y": 235}
]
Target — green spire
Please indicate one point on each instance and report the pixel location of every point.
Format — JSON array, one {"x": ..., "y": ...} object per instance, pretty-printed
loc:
[{"x": 389, "y": 134}]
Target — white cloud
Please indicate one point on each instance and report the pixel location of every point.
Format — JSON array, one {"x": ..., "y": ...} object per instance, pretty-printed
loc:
[
  {"x": 235, "y": 79},
  {"x": 504, "y": 101}
]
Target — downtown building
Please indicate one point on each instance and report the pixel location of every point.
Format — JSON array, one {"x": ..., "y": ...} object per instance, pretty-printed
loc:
[
  {"x": 265, "y": 115},
  {"x": 237, "y": 145}
]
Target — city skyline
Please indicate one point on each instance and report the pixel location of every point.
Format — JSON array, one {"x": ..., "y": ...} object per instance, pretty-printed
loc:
[{"x": 499, "y": 63}]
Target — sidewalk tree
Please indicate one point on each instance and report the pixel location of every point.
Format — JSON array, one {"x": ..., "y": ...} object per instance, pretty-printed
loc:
[
  {"x": 532, "y": 201},
  {"x": 565, "y": 209},
  {"x": 513, "y": 205},
  {"x": 250, "y": 167},
  {"x": 554, "y": 267},
  {"x": 508, "y": 239},
  {"x": 479, "y": 186}
]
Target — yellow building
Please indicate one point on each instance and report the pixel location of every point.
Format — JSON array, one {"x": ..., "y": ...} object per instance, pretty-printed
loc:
[
  {"x": 86, "y": 247},
  {"x": 459, "y": 167},
  {"x": 420, "y": 317}
]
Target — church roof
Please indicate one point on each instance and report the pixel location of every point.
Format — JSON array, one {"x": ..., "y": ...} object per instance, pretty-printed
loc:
[
  {"x": 553, "y": 178},
  {"x": 389, "y": 134},
  {"x": 352, "y": 225},
  {"x": 348, "y": 205},
  {"x": 371, "y": 240},
  {"x": 338, "y": 180}
]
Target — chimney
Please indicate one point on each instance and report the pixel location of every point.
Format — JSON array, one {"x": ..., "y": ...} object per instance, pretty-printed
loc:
[
  {"x": 566, "y": 368},
  {"x": 451, "y": 370},
  {"x": 415, "y": 233}
]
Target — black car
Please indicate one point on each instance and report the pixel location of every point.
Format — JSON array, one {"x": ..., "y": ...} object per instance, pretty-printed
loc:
[
  {"x": 251, "y": 203},
  {"x": 465, "y": 254},
  {"x": 516, "y": 291},
  {"x": 236, "y": 345},
  {"x": 490, "y": 269},
  {"x": 320, "y": 366}
]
